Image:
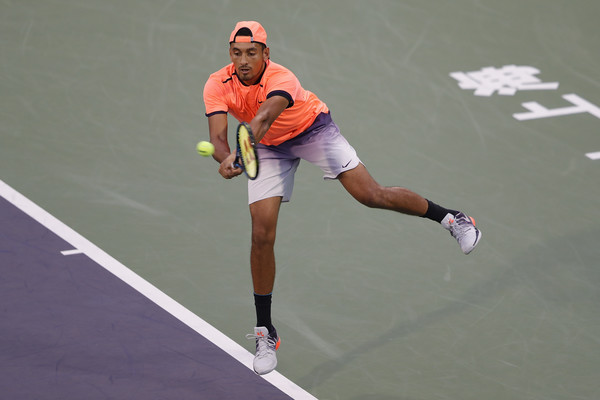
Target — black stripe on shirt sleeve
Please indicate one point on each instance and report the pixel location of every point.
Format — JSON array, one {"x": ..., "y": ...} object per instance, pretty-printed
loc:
[
  {"x": 215, "y": 113},
  {"x": 284, "y": 94}
]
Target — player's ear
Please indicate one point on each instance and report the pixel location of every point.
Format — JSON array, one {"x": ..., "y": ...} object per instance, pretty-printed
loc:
[{"x": 266, "y": 53}]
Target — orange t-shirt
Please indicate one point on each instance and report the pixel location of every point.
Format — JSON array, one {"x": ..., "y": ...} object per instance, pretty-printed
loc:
[{"x": 225, "y": 93}]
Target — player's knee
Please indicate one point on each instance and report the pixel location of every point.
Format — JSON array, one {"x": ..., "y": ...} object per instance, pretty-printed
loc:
[
  {"x": 263, "y": 236},
  {"x": 364, "y": 189}
]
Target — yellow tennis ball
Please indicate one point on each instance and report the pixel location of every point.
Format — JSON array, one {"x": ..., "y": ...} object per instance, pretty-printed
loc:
[{"x": 205, "y": 149}]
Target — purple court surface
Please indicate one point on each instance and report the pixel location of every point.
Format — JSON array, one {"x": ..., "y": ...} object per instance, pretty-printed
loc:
[{"x": 70, "y": 329}]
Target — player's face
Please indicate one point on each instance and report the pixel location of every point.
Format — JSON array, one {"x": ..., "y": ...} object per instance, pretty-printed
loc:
[{"x": 249, "y": 60}]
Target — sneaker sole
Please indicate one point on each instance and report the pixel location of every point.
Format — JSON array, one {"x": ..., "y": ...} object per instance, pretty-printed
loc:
[{"x": 477, "y": 239}]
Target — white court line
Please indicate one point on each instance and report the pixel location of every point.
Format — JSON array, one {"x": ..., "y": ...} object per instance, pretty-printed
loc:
[
  {"x": 148, "y": 290},
  {"x": 71, "y": 252}
]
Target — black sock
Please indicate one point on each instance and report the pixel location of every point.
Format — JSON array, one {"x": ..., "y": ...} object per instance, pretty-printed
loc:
[
  {"x": 263, "y": 310},
  {"x": 437, "y": 213}
]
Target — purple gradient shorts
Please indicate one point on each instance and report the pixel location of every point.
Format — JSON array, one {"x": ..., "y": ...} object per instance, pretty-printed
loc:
[{"x": 322, "y": 145}]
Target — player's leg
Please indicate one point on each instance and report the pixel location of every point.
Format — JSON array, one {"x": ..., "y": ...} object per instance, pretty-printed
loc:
[
  {"x": 328, "y": 149},
  {"x": 325, "y": 147},
  {"x": 273, "y": 186},
  {"x": 264, "y": 215},
  {"x": 359, "y": 183}
]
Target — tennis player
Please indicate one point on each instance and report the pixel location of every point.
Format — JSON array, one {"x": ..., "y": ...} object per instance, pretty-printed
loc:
[{"x": 290, "y": 124}]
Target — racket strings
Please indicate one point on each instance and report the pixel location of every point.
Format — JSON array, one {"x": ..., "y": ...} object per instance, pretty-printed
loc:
[{"x": 247, "y": 152}]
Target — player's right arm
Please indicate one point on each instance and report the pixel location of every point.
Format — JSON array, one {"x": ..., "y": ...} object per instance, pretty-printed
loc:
[{"x": 217, "y": 128}]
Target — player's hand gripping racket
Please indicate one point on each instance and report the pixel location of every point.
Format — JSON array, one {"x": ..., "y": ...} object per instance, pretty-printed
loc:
[{"x": 247, "y": 157}]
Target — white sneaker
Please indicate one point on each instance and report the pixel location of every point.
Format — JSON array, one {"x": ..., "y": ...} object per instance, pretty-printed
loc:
[
  {"x": 462, "y": 228},
  {"x": 267, "y": 343}
]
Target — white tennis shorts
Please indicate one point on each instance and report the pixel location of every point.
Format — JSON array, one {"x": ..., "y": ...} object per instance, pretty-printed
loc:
[{"x": 322, "y": 145}]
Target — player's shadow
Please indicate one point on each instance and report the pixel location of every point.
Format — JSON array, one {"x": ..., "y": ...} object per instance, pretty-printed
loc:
[{"x": 574, "y": 258}]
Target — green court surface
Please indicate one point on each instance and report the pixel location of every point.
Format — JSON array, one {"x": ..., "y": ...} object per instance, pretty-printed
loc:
[{"x": 101, "y": 107}]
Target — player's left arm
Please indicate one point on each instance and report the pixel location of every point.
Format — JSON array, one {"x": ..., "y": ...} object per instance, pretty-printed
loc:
[{"x": 268, "y": 112}]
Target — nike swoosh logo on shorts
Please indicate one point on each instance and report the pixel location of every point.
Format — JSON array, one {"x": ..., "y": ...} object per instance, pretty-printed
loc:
[{"x": 348, "y": 163}]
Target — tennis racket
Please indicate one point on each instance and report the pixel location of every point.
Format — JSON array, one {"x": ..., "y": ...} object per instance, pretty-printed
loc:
[{"x": 247, "y": 156}]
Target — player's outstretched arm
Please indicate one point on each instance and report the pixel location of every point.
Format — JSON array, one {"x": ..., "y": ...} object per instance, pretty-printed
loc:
[
  {"x": 217, "y": 128},
  {"x": 266, "y": 115}
]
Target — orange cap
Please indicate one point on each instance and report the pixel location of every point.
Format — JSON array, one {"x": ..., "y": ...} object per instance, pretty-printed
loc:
[{"x": 259, "y": 35}]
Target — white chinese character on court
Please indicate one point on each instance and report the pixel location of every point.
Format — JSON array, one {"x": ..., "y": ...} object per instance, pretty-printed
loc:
[
  {"x": 506, "y": 80},
  {"x": 578, "y": 106}
]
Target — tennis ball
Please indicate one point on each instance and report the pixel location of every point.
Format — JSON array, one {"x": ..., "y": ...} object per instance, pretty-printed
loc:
[{"x": 205, "y": 149}]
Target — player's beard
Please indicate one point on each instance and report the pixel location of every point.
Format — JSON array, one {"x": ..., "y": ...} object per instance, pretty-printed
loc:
[{"x": 248, "y": 74}]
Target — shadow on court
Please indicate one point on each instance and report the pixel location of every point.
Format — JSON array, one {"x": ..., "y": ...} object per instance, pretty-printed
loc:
[{"x": 553, "y": 284}]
